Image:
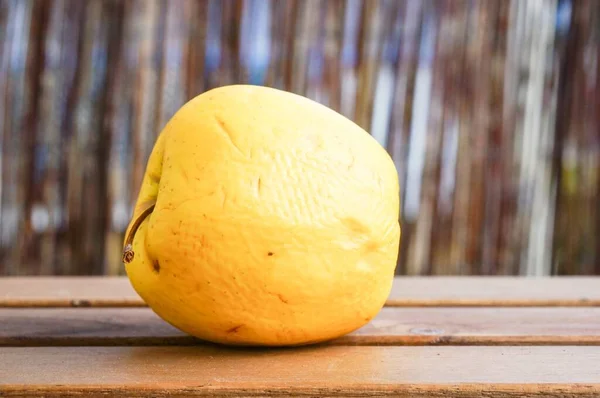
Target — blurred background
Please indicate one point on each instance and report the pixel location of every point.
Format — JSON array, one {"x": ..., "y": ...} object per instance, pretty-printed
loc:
[{"x": 490, "y": 109}]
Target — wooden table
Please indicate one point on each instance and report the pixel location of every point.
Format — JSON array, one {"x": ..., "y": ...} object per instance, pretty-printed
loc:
[{"x": 437, "y": 337}]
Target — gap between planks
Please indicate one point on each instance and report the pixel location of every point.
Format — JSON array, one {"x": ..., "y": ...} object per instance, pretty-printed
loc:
[
  {"x": 392, "y": 326},
  {"x": 26, "y": 292}
]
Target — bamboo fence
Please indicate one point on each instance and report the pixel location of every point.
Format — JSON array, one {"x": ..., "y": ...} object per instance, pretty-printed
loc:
[{"x": 490, "y": 110}]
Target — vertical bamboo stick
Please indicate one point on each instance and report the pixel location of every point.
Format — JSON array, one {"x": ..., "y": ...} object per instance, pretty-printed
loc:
[
  {"x": 536, "y": 198},
  {"x": 332, "y": 48},
  {"x": 115, "y": 135},
  {"x": 478, "y": 61},
  {"x": 315, "y": 48},
  {"x": 46, "y": 212},
  {"x": 410, "y": 14},
  {"x": 283, "y": 26},
  {"x": 597, "y": 137},
  {"x": 417, "y": 142},
  {"x": 508, "y": 238},
  {"x": 455, "y": 32},
  {"x": 173, "y": 71},
  {"x": 87, "y": 180},
  {"x": 464, "y": 155},
  {"x": 349, "y": 57},
  {"x": 373, "y": 15},
  {"x": 306, "y": 12},
  {"x": 27, "y": 23},
  {"x": 421, "y": 248},
  {"x": 255, "y": 41},
  {"x": 384, "y": 75},
  {"x": 198, "y": 14}
]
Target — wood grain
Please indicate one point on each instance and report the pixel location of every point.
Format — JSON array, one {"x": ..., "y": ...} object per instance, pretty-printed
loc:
[
  {"x": 392, "y": 326},
  {"x": 495, "y": 291},
  {"x": 320, "y": 371},
  {"x": 406, "y": 292},
  {"x": 68, "y": 292}
]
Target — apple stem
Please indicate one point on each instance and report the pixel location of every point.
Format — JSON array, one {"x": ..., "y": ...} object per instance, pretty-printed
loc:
[{"x": 128, "y": 253}]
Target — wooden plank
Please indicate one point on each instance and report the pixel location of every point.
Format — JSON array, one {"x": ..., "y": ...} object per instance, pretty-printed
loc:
[
  {"x": 495, "y": 291},
  {"x": 406, "y": 292},
  {"x": 68, "y": 292},
  {"x": 317, "y": 371},
  {"x": 392, "y": 326}
]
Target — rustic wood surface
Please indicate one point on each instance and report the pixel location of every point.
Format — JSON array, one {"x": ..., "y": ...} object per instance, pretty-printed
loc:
[
  {"x": 438, "y": 337},
  {"x": 392, "y": 326},
  {"x": 473, "y": 371},
  {"x": 407, "y": 291}
]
